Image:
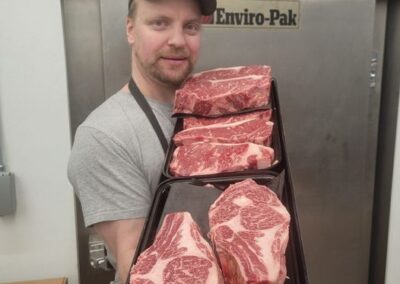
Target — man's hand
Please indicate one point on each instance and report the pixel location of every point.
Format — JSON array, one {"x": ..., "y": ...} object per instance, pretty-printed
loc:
[{"x": 121, "y": 237}]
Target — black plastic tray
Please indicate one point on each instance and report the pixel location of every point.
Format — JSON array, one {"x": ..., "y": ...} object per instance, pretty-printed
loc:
[
  {"x": 275, "y": 144},
  {"x": 199, "y": 203},
  {"x": 288, "y": 195}
]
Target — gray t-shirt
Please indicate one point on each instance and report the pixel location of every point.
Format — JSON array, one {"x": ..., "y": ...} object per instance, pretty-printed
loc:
[{"x": 116, "y": 159}]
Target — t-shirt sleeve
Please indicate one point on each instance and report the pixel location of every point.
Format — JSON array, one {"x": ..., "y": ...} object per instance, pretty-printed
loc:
[{"x": 107, "y": 179}]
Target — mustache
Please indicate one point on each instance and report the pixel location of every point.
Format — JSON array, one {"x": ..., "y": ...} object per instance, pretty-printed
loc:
[{"x": 177, "y": 53}]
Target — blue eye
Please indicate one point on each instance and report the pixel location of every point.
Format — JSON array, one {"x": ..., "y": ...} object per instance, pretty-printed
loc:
[
  {"x": 159, "y": 24},
  {"x": 193, "y": 28}
]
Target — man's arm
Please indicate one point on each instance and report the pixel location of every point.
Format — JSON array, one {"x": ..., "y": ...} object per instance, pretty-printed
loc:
[{"x": 121, "y": 237}]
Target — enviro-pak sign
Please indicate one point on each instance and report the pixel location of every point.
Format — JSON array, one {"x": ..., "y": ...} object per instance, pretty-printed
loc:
[{"x": 255, "y": 14}]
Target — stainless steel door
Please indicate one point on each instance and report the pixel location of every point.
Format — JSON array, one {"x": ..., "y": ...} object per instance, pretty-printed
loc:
[{"x": 330, "y": 112}]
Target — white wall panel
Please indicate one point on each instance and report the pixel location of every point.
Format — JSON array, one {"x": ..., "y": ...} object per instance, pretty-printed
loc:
[
  {"x": 39, "y": 240},
  {"x": 393, "y": 251}
]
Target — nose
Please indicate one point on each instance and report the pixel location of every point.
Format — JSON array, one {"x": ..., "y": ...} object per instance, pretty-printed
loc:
[{"x": 177, "y": 37}]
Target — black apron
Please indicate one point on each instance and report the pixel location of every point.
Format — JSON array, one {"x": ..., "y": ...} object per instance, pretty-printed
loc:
[{"x": 144, "y": 105}]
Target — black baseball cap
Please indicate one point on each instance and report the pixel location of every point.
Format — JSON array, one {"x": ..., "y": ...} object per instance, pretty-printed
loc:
[{"x": 207, "y": 7}]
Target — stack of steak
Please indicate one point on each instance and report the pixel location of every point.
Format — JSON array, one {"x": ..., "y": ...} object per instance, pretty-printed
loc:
[
  {"x": 249, "y": 230},
  {"x": 179, "y": 254},
  {"x": 226, "y": 127},
  {"x": 225, "y": 138}
]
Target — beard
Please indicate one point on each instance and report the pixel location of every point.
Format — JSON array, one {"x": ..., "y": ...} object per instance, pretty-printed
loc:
[{"x": 171, "y": 75}]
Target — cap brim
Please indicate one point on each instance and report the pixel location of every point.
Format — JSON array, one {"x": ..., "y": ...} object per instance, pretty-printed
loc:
[{"x": 207, "y": 6}]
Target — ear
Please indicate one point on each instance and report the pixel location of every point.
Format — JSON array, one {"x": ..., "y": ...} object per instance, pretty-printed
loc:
[{"x": 130, "y": 30}]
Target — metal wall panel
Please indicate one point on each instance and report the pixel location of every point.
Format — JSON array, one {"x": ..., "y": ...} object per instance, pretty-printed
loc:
[
  {"x": 82, "y": 29},
  {"x": 116, "y": 50},
  {"x": 386, "y": 148},
  {"x": 329, "y": 112}
]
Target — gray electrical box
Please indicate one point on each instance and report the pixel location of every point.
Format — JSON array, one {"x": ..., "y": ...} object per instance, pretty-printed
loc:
[{"x": 7, "y": 193}]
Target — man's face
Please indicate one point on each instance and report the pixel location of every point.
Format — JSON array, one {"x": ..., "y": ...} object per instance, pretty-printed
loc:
[{"x": 165, "y": 35}]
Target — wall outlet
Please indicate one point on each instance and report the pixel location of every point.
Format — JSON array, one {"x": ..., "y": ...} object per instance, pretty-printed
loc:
[{"x": 7, "y": 194}]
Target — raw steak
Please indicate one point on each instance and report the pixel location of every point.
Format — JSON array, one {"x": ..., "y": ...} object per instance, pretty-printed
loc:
[
  {"x": 224, "y": 90},
  {"x": 212, "y": 158},
  {"x": 189, "y": 122},
  {"x": 249, "y": 228},
  {"x": 252, "y": 130},
  {"x": 179, "y": 255}
]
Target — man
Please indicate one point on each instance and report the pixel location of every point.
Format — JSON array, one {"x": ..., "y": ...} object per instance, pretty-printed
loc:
[{"x": 116, "y": 159}]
